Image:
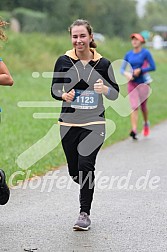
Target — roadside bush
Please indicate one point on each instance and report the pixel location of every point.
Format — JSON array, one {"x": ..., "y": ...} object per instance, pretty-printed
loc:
[
  {"x": 31, "y": 21},
  {"x": 5, "y": 15}
]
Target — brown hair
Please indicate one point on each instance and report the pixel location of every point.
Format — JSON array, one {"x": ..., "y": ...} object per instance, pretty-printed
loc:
[
  {"x": 88, "y": 27},
  {"x": 2, "y": 34}
]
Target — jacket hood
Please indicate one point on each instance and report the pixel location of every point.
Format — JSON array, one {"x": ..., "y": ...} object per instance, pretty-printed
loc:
[{"x": 71, "y": 54}]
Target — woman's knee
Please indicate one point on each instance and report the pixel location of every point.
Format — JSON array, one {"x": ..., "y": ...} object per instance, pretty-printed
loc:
[
  {"x": 144, "y": 107},
  {"x": 86, "y": 164}
]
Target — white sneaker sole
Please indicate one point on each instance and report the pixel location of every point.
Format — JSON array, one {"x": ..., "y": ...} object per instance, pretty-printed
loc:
[{"x": 78, "y": 228}]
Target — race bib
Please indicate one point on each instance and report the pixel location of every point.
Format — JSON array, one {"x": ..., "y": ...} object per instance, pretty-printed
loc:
[
  {"x": 147, "y": 78},
  {"x": 85, "y": 99}
]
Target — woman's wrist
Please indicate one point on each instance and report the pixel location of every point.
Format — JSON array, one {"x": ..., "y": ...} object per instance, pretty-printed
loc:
[
  {"x": 125, "y": 73},
  {"x": 64, "y": 96},
  {"x": 106, "y": 90}
]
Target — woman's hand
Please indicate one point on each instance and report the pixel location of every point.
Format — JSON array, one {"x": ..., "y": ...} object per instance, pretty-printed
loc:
[
  {"x": 100, "y": 88},
  {"x": 128, "y": 76},
  {"x": 137, "y": 72},
  {"x": 68, "y": 97}
]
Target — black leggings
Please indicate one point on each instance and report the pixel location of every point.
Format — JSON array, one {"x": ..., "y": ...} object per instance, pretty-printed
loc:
[{"x": 81, "y": 145}]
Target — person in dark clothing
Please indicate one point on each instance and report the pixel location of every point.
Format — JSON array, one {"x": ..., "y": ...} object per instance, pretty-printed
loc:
[
  {"x": 4, "y": 189},
  {"x": 5, "y": 80},
  {"x": 81, "y": 78}
]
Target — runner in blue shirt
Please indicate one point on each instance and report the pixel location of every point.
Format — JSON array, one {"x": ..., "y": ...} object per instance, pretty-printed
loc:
[{"x": 141, "y": 62}]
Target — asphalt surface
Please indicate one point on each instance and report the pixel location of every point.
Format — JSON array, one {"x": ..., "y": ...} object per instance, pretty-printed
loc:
[{"x": 126, "y": 216}]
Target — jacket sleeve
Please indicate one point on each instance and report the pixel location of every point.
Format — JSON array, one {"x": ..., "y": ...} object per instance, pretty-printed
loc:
[
  {"x": 57, "y": 81},
  {"x": 109, "y": 81}
]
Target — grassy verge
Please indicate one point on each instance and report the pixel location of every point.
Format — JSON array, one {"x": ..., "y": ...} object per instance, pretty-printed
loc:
[{"x": 27, "y": 53}]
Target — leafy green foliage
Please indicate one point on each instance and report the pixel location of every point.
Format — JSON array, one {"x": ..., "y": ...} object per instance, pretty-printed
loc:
[
  {"x": 30, "y": 20},
  {"x": 155, "y": 13},
  {"x": 113, "y": 18}
]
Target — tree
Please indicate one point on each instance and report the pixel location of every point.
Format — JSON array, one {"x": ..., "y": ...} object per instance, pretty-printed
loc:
[
  {"x": 155, "y": 13},
  {"x": 114, "y": 18},
  {"x": 111, "y": 17}
]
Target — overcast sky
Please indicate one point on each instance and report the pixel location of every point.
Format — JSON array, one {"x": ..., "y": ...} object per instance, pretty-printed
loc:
[{"x": 140, "y": 6}]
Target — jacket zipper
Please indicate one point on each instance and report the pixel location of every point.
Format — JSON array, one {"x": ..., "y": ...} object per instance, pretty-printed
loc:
[{"x": 79, "y": 78}]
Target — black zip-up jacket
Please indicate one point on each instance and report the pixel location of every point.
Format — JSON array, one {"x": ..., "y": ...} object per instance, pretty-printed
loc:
[{"x": 70, "y": 73}]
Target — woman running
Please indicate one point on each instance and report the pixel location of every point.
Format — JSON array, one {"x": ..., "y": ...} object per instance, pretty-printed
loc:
[
  {"x": 84, "y": 79},
  {"x": 5, "y": 80},
  {"x": 141, "y": 62}
]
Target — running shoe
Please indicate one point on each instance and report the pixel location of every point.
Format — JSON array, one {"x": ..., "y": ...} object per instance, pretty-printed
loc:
[
  {"x": 83, "y": 222},
  {"x": 133, "y": 135},
  {"x": 146, "y": 129},
  {"x": 4, "y": 189}
]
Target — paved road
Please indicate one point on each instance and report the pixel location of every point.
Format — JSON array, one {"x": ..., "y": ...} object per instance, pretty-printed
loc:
[{"x": 124, "y": 219}]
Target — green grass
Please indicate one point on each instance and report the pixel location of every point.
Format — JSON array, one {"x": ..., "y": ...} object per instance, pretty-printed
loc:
[{"x": 27, "y": 53}]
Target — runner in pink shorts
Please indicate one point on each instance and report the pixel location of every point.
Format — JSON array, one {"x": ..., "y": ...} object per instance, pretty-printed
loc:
[{"x": 139, "y": 79}]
